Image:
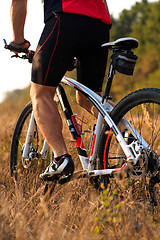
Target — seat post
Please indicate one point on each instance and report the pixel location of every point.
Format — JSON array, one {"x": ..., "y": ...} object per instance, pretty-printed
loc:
[{"x": 108, "y": 83}]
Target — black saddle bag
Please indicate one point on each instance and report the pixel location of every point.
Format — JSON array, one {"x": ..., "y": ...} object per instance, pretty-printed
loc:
[{"x": 124, "y": 62}]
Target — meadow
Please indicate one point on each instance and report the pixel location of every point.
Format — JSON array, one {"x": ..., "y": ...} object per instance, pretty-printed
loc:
[{"x": 75, "y": 210}]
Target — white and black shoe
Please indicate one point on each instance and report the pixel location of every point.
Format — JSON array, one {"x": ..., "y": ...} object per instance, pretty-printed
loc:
[{"x": 63, "y": 167}]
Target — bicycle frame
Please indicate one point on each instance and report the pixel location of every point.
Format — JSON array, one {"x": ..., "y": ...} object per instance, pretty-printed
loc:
[
  {"x": 133, "y": 151},
  {"x": 104, "y": 109}
]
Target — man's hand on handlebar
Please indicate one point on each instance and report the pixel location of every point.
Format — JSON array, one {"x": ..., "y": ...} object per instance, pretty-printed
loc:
[{"x": 20, "y": 48}]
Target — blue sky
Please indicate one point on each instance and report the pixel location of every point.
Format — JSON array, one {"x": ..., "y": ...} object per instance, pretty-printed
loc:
[{"x": 15, "y": 73}]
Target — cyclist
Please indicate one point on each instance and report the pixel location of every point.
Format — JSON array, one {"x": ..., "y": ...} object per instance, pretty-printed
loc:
[{"x": 73, "y": 28}]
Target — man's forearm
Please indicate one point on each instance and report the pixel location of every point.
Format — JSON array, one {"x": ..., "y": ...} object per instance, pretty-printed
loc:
[{"x": 18, "y": 13}]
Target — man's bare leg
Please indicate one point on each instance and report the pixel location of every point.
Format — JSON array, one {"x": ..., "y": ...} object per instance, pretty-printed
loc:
[
  {"x": 86, "y": 104},
  {"x": 47, "y": 117}
]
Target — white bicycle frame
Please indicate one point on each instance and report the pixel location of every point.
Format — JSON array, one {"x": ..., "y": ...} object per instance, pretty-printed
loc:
[{"x": 131, "y": 151}]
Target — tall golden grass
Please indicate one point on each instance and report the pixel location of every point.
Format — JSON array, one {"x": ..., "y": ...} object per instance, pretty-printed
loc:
[{"x": 75, "y": 210}]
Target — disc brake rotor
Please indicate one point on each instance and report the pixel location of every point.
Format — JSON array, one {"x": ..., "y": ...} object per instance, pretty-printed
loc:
[{"x": 26, "y": 162}]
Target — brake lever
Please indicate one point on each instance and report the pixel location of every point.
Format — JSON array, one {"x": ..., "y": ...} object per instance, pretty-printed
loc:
[{"x": 5, "y": 43}]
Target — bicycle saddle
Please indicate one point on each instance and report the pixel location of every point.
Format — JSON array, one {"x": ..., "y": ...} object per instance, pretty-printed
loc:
[{"x": 127, "y": 43}]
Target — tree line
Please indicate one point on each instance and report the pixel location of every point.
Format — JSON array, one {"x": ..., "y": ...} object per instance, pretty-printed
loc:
[{"x": 142, "y": 21}]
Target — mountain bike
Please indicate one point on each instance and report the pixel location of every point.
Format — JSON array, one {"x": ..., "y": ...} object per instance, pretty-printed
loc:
[{"x": 125, "y": 138}]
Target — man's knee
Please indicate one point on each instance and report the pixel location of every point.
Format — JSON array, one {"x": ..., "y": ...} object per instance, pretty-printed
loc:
[{"x": 38, "y": 92}]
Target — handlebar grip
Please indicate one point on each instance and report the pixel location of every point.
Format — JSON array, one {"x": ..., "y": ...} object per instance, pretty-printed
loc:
[{"x": 28, "y": 53}]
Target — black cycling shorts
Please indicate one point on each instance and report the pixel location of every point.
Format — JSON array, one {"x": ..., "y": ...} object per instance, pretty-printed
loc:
[{"x": 68, "y": 36}]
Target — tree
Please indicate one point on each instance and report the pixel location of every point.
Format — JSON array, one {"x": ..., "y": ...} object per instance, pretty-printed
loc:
[
  {"x": 142, "y": 21},
  {"x": 123, "y": 26}
]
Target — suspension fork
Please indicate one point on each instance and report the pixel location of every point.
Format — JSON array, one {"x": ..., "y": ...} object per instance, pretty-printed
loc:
[
  {"x": 29, "y": 137},
  {"x": 66, "y": 108},
  {"x": 27, "y": 145}
]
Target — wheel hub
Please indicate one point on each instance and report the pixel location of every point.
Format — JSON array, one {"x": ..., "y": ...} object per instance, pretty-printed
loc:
[{"x": 26, "y": 162}]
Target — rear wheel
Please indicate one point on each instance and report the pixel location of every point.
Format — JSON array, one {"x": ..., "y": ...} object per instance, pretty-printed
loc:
[{"x": 142, "y": 109}]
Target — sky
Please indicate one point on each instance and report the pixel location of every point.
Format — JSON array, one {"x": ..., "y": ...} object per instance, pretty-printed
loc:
[{"x": 15, "y": 73}]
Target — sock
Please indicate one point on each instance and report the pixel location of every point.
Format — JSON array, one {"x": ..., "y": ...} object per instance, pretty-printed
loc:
[{"x": 57, "y": 159}]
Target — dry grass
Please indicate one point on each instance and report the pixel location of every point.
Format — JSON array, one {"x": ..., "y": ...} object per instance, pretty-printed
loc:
[{"x": 75, "y": 210}]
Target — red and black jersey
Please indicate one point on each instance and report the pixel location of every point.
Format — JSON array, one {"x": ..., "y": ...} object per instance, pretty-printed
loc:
[{"x": 91, "y": 8}]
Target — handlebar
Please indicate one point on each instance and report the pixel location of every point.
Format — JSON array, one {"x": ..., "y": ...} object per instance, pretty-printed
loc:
[{"x": 28, "y": 55}]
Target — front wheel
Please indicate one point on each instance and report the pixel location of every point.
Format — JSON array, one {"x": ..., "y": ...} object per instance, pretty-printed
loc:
[
  {"x": 19, "y": 166},
  {"x": 142, "y": 110}
]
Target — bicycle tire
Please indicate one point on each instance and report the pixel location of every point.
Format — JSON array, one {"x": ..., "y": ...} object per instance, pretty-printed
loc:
[
  {"x": 17, "y": 166},
  {"x": 149, "y": 99}
]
